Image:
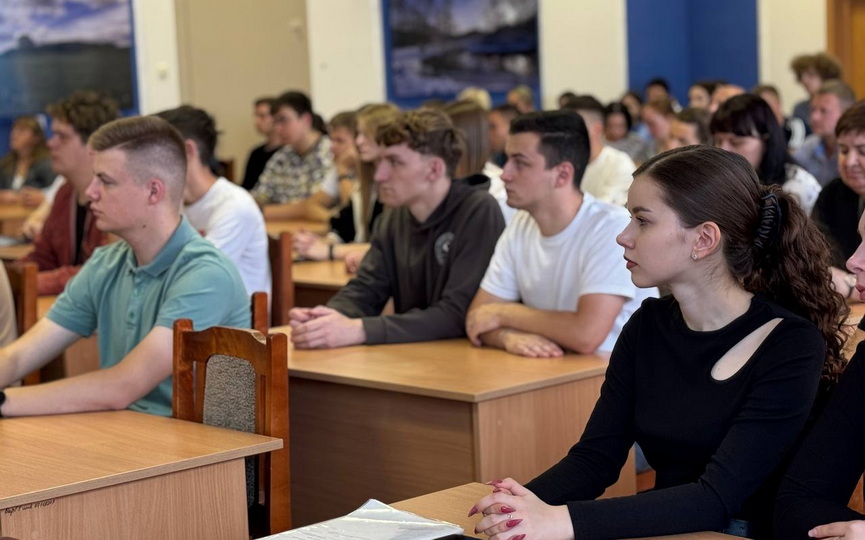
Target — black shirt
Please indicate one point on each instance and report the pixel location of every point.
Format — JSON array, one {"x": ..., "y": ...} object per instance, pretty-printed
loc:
[
  {"x": 837, "y": 213},
  {"x": 258, "y": 158},
  {"x": 713, "y": 444}
]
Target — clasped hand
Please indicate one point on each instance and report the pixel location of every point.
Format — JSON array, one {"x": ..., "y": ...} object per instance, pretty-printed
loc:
[{"x": 512, "y": 512}]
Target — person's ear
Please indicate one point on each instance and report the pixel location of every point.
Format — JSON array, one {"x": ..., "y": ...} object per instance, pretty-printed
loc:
[{"x": 708, "y": 240}]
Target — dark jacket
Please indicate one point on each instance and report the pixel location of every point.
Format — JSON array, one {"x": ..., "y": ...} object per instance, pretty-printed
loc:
[
  {"x": 432, "y": 269},
  {"x": 40, "y": 176}
]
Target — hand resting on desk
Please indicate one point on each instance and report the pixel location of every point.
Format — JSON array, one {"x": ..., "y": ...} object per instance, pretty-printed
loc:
[
  {"x": 324, "y": 328},
  {"x": 513, "y": 512}
]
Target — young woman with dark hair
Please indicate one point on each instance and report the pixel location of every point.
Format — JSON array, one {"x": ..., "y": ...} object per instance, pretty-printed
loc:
[
  {"x": 26, "y": 169},
  {"x": 746, "y": 125},
  {"x": 715, "y": 382}
]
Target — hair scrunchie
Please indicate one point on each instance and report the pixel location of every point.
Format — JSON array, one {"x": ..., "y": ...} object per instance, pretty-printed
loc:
[{"x": 769, "y": 228}]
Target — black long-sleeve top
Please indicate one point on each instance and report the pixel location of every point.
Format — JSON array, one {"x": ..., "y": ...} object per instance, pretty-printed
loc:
[
  {"x": 819, "y": 483},
  {"x": 713, "y": 444},
  {"x": 431, "y": 269}
]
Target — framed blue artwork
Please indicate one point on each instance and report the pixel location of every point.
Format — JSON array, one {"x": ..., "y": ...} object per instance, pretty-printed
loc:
[
  {"x": 436, "y": 48},
  {"x": 50, "y": 48}
]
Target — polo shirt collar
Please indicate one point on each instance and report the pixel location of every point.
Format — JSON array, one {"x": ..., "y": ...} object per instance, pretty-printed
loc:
[{"x": 167, "y": 255}]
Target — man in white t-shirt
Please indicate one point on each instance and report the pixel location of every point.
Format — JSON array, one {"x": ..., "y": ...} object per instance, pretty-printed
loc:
[
  {"x": 557, "y": 280},
  {"x": 610, "y": 171},
  {"x": 223, "y": 212}
]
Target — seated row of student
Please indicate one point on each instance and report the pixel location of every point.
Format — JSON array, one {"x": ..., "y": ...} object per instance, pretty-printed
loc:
[
  {"x": 25, "y": 170},
  {"x": 355, "y": 221},
  {"x": 500, "y": 120},
  {"x": 556, "y": 281},
  {"x": 69, "y": 234},
  {"x": 819, "y": 153},
  {"x": 794, "y": 128},
  {"x": 840, "y": 204},
  {"x": 812, "y": 500},
  {"x": 811, "y": 71},
  {"x": 300, "y": 179},
  {"x": 618, "y": 133},
  {"x": 608, "y": 175},
  {"x": 716, "y": 381},
  {"x": 429, "y": 250},
  {"x": 133, "y": 290},
  {"x": 260, "y": 155},
  {"x": 220, "y": 210},
  {"x": 690, "y": 126},
  {"x": 746, "y": 125},
  {"x": 475, "y": 166}
]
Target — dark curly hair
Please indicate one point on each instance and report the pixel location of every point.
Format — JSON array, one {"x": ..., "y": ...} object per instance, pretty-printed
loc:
[
  {"x": 425, "y": 131},
  {"x": 792, "y": 271}
]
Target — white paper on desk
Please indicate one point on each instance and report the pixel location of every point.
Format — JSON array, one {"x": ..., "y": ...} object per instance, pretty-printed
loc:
[{"x": 374, "y": 521}]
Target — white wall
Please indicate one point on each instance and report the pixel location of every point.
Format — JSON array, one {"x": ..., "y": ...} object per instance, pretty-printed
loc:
[
  {"x": 788, "y": 28},
  {"x": 156, "y": 55},
  {"x": 346, "y": 54}
]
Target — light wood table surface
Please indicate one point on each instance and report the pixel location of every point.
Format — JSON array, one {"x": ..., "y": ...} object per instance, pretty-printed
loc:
[
  {"x": 12, "y": 216},
  {"x": 453, "y": 504},
  {"x": 315, "y": 282},
  {"x": 275, "y": 227},
  {"x": 398, "y": 421},
  {"x": 122, "y": 474},
  {"x": 13, "y": 253}
]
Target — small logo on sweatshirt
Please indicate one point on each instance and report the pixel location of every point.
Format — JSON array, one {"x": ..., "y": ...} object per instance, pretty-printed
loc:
[{"x": 443, "y": 246}]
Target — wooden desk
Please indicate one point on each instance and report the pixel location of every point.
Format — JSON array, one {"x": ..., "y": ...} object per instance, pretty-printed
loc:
[
  {"x": 121, "y": 474},
  {"x": 315, "y": 282},
  {"x": 453, "y": 504},
  {"x": 275, "y": 227},
  {"x": 13, "y": 253},
  {"x": 397, "y": 421},
  {"x": 12, "y": 216}
]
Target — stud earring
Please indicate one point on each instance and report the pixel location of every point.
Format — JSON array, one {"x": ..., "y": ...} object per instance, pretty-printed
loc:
[{"x": 694, "y": 256}]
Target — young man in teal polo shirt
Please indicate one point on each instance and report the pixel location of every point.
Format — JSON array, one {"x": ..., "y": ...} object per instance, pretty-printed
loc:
[{"x": 130, "y": 291}]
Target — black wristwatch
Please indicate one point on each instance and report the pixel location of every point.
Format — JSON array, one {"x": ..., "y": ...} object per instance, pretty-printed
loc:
[{"x": 2, "y": 401}]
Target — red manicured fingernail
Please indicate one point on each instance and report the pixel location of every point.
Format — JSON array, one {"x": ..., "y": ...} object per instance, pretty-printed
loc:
[
  {"x": 473, "y": 511},
  {"x": 512, "y": 523},
  {"x": 517, "y": 537},
  {"x": 492, "y": 482},
  {"x": 506, "y": 510},
  {"x": 496, "y": 490}
]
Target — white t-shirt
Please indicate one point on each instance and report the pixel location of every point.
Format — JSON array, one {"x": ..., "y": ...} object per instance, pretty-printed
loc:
[
  {"x": 228, "y": 216},
  {"x": 609, "y": 176},
  {"x": 497, "y": 190},
  {"x": 802, "y": 186},
  {"x": 553, "y": 272}
]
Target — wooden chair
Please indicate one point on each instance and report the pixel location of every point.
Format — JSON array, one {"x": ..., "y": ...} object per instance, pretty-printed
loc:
[
  {"x": 22, "y": 278},
  {"x": 260, "y": 320},
  {"x": 281, "y": 251},
  {"x": 238, "y": 379}
]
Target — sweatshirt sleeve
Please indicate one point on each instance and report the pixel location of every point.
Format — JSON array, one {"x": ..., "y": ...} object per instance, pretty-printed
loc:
[
  {"x": 819, "y": 483},
  {"x": 766, "y": 426},
  {"x": 468, "y": 260}
]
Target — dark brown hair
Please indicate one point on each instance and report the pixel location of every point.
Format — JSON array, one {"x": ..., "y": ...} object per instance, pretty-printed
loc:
[
  {"x": 703, "y": 183},
  {"x": 85, "y": 111},
  {"x": 853, "y": 120},
  {"x": 824, "y": 65},
  {"x": 427, "y": 132},
  {"x": 40, "y": 150},
  {"x": 471, "y": 119},
  {"x": 699, "y": 118}
]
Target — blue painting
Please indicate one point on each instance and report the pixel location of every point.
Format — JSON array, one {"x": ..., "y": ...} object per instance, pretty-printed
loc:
[
  {"x": 435, "y": 48},
  {"x": 50, "y": 48}
]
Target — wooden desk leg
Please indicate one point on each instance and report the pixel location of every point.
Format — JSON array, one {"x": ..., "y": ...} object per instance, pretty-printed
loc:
[{"x": 197, "y": 504}]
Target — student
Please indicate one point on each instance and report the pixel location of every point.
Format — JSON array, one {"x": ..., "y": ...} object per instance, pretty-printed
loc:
[
  {"x": 657, "y": 116},
  {"x": 618, "y": 133},
  {"x": 812, "y": 70},
  {"x": 342, "y": 131},
  {"x": 522, "y": 98},
  {"x": 131, "y": 291},
  {"x": 659, "y": 88},
  {"x": 839, "y": 205},
  {"x": 746, "y": 125},
  {"x": 222, "y": 211},
  {"x": 260, "y": 155},
  {"x": 794, "y": 128},
  {"x": 812, "y": 500},
  {"x": 474, "y": 167},
  {"x": 722, "y": 93},
  {"x": 700, "y": 94},
  {"x": 556, "y": 281},
  {"x": 352, "y": 227},
  {"x": 69, "y": 233},
  {"x": 818, "y": 154},
  {"x": 714, "y": 381},
  {"x": 690, "y": 126},
  {"x": 500, "y": 122},
  {"x": 608, "y": 174},
  {"x": 429, "y": 250},
  {"x": 303, "y": 169},
  {"x": 25, "y": 170},
  {"x": 479, "y": 96}
]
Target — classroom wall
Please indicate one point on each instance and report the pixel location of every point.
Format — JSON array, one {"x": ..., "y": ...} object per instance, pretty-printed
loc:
[{"x": 156, "y": 55}]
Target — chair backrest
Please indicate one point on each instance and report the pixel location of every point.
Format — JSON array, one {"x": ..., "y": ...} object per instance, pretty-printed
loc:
[
  {"x": 266, "y": 362},
  {"x": 22, "y": 279},
  {"x": 260, "y": 318},
  {"x": 281, "y": 252}
]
